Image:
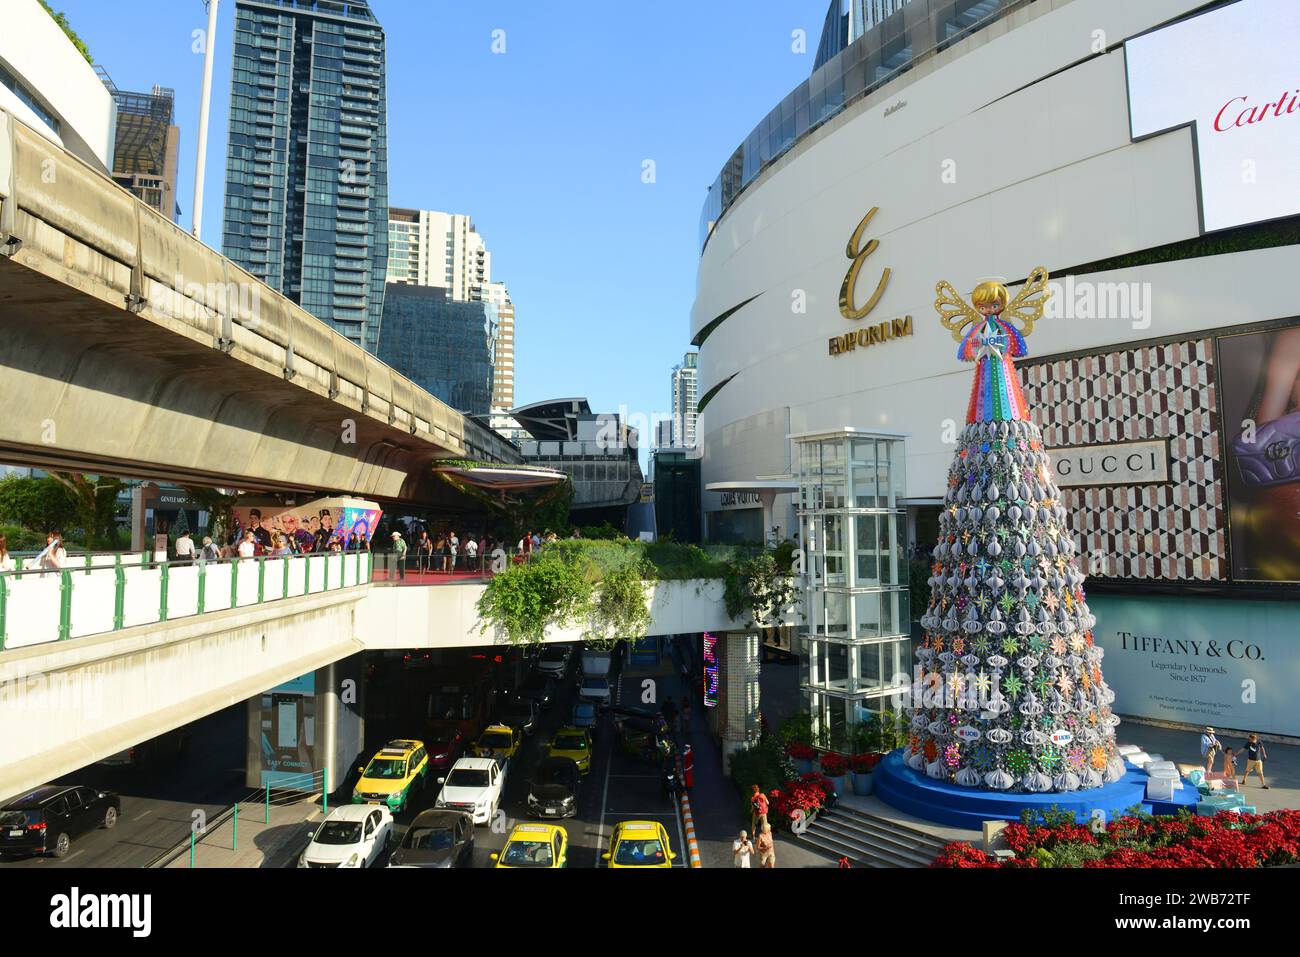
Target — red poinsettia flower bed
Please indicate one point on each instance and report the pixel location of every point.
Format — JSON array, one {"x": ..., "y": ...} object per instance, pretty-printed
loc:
[
  {"x": 834, "y": 765},
  {"x": 798, "y": 751},
  {"x": 796, "y": 799},
  {"x": 865, "y": 763},
  {"x": 1225, "y": 840}
]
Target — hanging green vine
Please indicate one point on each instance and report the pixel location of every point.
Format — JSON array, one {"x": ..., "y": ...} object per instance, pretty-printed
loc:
[
  {"x": 620, "y": 611},
  {"x": 759, "y": 588}
]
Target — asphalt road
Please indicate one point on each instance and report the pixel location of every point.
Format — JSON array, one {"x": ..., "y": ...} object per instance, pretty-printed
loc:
[
  {"x": 158, "y": 802},
  {"x": 617, "y": 788}
]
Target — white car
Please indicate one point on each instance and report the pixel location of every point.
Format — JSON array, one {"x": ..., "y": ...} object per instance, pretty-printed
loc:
[
  {"x": 595, "y": 664},
  {"x": 353, "y": 835},
  {"x": 554, "y": 660},
  {"x": 594, "y": 689},
  {"x": 473, "y": 785}
]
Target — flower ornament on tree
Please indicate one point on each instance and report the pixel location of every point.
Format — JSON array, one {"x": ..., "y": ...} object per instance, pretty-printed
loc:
[{"x": 1006, "y": 592}]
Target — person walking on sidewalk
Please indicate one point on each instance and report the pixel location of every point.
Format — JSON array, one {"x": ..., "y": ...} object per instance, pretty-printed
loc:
[
  {"x": 766, "y": 847},
  {"x": 757, "y": 809},
  {"x": 1255, "y": 756},
  {"x": 1209, "y": 749},
  {"x": 688, "y": 767},
  {"x": 399, "y": 551},
  {"x": 670, "y": 714},
  {"x": 742, "y": 850}
]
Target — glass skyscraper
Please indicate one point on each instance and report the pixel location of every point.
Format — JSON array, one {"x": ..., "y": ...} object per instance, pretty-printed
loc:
[
  {"x": 444, "y": 345},
  {"x": 307, "y": 167}
]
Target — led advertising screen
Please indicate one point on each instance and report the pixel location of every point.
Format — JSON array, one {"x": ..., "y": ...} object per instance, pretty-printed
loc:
[
  {"x": 710, "y": 670},
  {"x": 1231, "y": 73},
  {"x": 1259, "y": 395},
  {"x": 326, "y": 519}
]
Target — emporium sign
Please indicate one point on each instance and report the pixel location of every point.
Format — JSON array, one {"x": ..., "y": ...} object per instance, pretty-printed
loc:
[
  {"x": 878, "y": 332},
  {"x": 710, "y": 670}
]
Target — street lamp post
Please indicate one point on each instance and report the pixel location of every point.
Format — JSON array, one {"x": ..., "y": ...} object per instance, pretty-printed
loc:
[{"x": 204, "y": 103}]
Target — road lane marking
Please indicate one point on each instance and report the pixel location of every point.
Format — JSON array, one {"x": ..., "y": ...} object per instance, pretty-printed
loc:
[{"x": 144, "y": 815}]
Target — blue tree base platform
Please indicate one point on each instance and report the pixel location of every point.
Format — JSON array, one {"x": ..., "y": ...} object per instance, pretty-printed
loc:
[{"x": 946, "y": 803}]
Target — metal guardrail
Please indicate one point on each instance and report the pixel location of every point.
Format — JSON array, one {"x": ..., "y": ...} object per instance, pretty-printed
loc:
[{"x": 42, "y": 604}]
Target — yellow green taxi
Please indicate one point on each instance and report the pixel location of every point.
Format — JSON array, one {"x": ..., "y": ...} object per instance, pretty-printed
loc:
[
  {"x": 397, "y": 769},
  {"x": 639, "y": 844},
  {"x": 572, "y": 743},
  {"x": 499, "y": 741},
  {"x": 535, "y": 845}
]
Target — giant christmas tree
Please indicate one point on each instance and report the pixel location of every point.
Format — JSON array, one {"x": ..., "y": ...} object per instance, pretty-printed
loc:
[{"x": 1009, "y": 694}]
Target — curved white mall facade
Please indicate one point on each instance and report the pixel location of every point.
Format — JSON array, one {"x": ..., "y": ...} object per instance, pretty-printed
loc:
[{"x": 1011, "y": 149}]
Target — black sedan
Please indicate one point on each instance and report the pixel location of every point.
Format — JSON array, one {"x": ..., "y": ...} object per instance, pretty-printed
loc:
[
  {"x": 520, "y": 714},
  {"x": 553, "y": 788},
  {"x": 45, "y": 820},
  {"x": 437, "y": 839}
]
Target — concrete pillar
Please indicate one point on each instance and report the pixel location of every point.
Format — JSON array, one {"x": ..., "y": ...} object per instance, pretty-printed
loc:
[
  {"x": 137, "y": 517},
  {"x": 738, "y": 693}
]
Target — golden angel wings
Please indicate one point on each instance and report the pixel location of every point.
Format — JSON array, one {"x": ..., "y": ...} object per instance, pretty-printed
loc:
[{"x": 1027, "y": 308}]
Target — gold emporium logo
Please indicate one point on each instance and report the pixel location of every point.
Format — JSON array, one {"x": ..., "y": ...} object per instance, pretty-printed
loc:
[{"x": 881, "y": 331}]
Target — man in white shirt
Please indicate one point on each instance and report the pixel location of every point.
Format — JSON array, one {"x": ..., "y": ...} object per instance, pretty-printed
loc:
[
  {"x": 1209, "y": 749},
  {"x": 185, "y": 548},
  {"x": 471, "y": 554},
  {"x": 741, "y": 850},
  {"x": 454, "y": 544}
]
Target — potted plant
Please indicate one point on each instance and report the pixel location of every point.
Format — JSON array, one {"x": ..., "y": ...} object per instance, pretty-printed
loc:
[
  {"x": 802, "y": 755},
  {"x": 860, "y": 767},
  {"x": 836, "y": 767}
]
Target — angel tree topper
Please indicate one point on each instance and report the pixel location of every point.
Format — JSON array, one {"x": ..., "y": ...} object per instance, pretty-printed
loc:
[{"x": 1009, "y": 694}]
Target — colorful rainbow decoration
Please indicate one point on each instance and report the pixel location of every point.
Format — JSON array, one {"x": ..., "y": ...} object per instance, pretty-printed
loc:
[{"x": 995, "y": 395}]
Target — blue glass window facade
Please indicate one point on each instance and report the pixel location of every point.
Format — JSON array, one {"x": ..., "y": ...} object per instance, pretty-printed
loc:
[
  {"x": 307, "y": 164},
  {"x": 443, "y": 345},
  {"x": 893, "y": 38}
]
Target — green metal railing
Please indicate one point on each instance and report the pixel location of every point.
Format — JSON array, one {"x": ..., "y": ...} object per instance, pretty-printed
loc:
[{"x": 40, "y": 605}]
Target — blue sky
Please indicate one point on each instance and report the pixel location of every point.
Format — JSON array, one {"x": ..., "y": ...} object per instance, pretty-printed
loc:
[{"x": 542, "y": 145}]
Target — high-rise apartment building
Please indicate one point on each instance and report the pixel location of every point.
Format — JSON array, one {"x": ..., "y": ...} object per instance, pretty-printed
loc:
[
  {"x": 443, "y": 250},
  {"x": 503, "y": 380},
  {"x": 307, "y": 167},
  {"x": 686, "y": 400},
  {"x": 431, "y": 248},
  {"x": 146, "y": 144}
]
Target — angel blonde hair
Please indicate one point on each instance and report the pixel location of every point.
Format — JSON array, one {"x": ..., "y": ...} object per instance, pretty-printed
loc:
[{"x": 989, "y": 292}]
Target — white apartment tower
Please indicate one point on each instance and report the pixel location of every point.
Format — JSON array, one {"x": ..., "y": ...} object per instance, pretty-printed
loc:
[
  {"x": 429, "y": 248},
  {"x": 686, "y": 399},
  {"x": 503, "y": 379}
]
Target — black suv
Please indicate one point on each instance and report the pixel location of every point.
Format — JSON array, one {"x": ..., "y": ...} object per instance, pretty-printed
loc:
[
  {"x": 553, "y": 788},
  {"x": 45, "y": 821},
  {"x": 520, "y": 714}
]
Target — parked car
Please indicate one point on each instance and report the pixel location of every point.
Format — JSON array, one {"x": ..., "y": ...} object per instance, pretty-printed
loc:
[
  {"x": 553, "y": 789},
  {"x": 639, "y": 844},
  {"x": 539, "y": 687},
  {"x": 520, "y": 714},
  {"x": 473, "y": 785},
  {"x": 594, "y": 689},
  {"x": 596, "y": 664},
  {"x": 46, "y": 819},
  {"x": 584, "y": 715},
  {"x": 554, "y": 660},
  {"x": 444, "y": 744},
  {"x": 536, "y": 846},
  {"x": 400, "y": 767},
  {"x": 572, "y": 743},
  {"x": 353, "y": 835},
  {"x": 437, "y": 839}
]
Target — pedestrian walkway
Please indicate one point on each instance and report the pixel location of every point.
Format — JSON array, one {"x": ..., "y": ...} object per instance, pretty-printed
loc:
[{"x": 261, "y": 843}]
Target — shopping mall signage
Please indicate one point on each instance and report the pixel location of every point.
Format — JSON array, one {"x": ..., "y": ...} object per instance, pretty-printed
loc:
[
  {"x": 878, "y": 332},
  {"x": 1223, "y": 662},
  {"x": 1244, "y": 112},
  {"x": 739, "y": 500},
  {"x": 1124, "y": 463}
]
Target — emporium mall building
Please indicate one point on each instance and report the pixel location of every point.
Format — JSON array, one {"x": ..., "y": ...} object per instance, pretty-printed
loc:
[{"x": 1148, "y": 155}]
